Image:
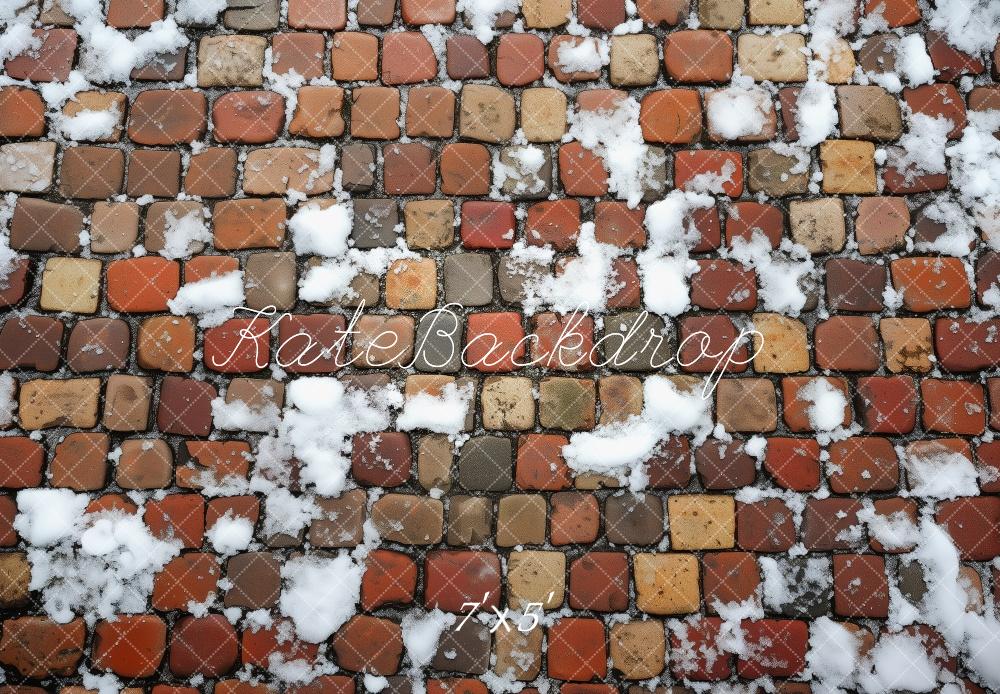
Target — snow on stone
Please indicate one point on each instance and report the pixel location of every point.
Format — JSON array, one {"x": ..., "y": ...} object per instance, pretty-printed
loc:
[
  {"x": 104, "y": 683},
  {"x": 285, "y": 83},
  {"x": 332, "y": 278},
  {"x": 239, "y": 416},
  {"x": 940, "y": 473},
  {"x": 830, "y": 18},
  {"x": 732, "y": 638},
  {"x": 968, "y": 25},
  {"x": 783, "y": 587},
  {"x": 524, "y": 171},
  {"x": 322, "y": 231},
  {"x": 298, "y": 670},
  {"x": 585, "y": 55},
  {"x": 319, "y": 420},
  {"x": 815, "y": 113},
  {"x": 894, "y": 531},
  {"x": 442, "y": 414},
  {"x": 8, "y": 401},
  {"x": 991, "y": 297},
  {"x": 13, "y": 11},
  {"x": 16, "y": 39},
  {"x": 421, "y": 633},
  {"x": 584, "y": 282},
  {"x": 327, "y": 281},
  {"x": 482, "y": 14},
  {"x": 827, "y": 403},
  {"x": 833, "y": 653},
  {"x": 712, "y": 182},
  {"x": 756, "y": 447},
  {"x": 780, "y": 273},
  {"x": 664, "y": 265},
  {"x": 94, "y": 565},
  {"x": 982, "y": 634},
  {"x": 230, "y": 534},
  {"x": 688, "y": 651},
  {"x": 899, "y": 661},
  {"x": 89, "y": 124},
  {"x": 892, "y": 299},
  {"x": 621, "y": 449},
  {"x": 959, "y": 234},
  {"x": 48, "y": 516},
  {"x": 975, "y": 172},
  {"x": 56, "y": 94},
  {"x": 665, "y": 282},
  {"x": 945, "y": 606},
  {"x": 109, "y": 55},
  {"x": 738, "y": 111},
  {"x": 912, "y": 61},
  {"x": 530, "y": 158},
  {"x": 214, "y": 299},
  {"x": 199, "y": 11},
  {"x": 616, "y": 137},
  {"x": 375, "y": 683},
  {"x": 945, "y": 598},
  {"x": 183, "y": 234},
  {"x": 828, "y": 21},
  {"x": 320, "y": 594},
  {"x": 8, "y": 259},
  {"x": 287, "y": 513}
]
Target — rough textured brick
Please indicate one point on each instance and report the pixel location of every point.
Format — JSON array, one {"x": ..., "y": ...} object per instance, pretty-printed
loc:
[
  {"x": 698, "y": 56},
  {"x": 498, "y": 169}
]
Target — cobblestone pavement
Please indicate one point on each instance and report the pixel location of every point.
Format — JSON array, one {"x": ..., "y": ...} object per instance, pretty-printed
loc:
[{"x": 242, "y": 452}]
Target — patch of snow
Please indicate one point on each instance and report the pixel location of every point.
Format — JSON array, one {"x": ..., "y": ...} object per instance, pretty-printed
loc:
[
  {"x": 738, "y": 111},
  {"x": 834, "y": 652},
  {"x": 239, "y": 416},
  {"x": 827, "y": 403},
  {"x": 442, "y": 414},
  {"x": 621, "y": 449},
  {"x": 95, "y": 565},
  {"x": 912, "y": 61},
  {"x": 16, "y": 39},
  {"x": 584, "y": 55},
  {"x": 975, "y": 170},
  {"x": 331, "y": 279},
  {"x": 959, "y": 235},
  {"x": 968, "y": 25},
  {"x": 584, "y": 282},
  {"x": 375, "y": 683},
  {"x": 89, "y": 125},
  {"x": 230, "y": 534},
  {"x": 421, "y": 633},
  {"x": 214, "y": 299},
  {"x": 781, "y": 273},
  {"x": 199, "y": 11},
  {"x": 899, "y": 661},
  {"x": 109, "y": 55},
  {"x": 8, "y": 401},
  {"x": 287, "y": 513},
  {"x": 940, "y": 474},
  {"x": 320, "y": 418},
  {"x": 664, "y": 265},
  {"x": 183, "y": 234},
  {"x": 46, "y": 517},
  {"x": 895, "y": 531},
  {"x": 322, "y": 231},
  {"x": 482, "y": 14},
  {"x": 320, "y": 594},
  {"x": 816, "y": 115},
  {"x": 616, "y": 137}
]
